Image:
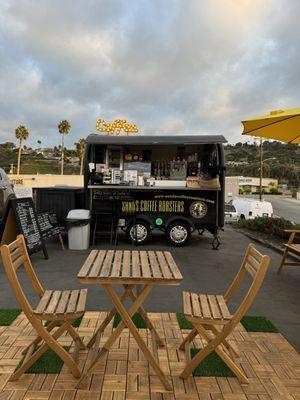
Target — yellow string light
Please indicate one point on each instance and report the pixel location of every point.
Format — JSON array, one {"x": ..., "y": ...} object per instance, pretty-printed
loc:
[{"x": 116, "y": 127}]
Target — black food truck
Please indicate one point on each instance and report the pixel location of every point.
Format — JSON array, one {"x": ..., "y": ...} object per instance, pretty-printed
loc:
[{"x": 171, "y": 183}]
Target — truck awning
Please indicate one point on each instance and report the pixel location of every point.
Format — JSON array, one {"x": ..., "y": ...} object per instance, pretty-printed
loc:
[{"x": 155, "y": 139}]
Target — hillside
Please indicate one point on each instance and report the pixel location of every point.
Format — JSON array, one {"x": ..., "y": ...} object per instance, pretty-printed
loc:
[
  {"x": 241, "y": 159},
  {"x": 284, "y": 165}
]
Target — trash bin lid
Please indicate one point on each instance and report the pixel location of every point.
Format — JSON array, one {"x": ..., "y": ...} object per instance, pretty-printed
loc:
[{"x": 78, "y": 214}]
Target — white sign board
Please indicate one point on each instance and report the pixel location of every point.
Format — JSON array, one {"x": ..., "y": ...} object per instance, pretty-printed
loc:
[{"x": 23, "y": 192}]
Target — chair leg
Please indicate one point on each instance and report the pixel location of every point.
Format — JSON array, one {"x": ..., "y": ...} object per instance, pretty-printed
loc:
[
  {"x": 213, "y": 345},
  {"x": 75, "y": 336},
  {"x": 95, "y": 229},
  {"x": 188, "y": 338},
  {"x": 38, "y": 339},
  {"x": 282, "y": 261},
  {"x": 51, "y": 342},
  {"x": 61, "y": 241}
]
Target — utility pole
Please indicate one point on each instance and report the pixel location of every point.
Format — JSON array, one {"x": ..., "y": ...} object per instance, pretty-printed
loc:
[{"x": 261, "y": 169}]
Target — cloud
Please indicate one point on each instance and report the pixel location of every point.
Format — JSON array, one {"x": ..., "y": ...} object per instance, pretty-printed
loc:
[{"x": 172, "y": 67}]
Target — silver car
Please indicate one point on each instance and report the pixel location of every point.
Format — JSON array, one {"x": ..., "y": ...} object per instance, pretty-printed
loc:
[
  {"x": 6, "y": 191},
  {"x": 231, "y": 214}
]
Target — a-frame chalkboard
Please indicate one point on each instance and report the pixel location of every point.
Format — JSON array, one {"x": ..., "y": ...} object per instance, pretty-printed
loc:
[{"x": 20, "y": 217}]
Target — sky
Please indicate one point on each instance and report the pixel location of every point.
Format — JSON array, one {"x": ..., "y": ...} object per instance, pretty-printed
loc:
[{"x": 170, "y": 66}]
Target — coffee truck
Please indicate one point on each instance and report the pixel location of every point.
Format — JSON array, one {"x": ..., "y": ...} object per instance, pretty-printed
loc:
[{"x": 174, "y": 184}]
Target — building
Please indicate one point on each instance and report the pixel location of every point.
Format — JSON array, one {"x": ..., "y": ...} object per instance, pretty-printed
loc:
[
  {"x": 252, "y": 184},
  {"x": 231, "y": 187}
]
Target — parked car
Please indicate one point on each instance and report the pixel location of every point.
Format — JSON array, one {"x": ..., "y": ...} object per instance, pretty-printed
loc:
[
  {"x": 251, "y": 208},
  {"x": 231, "y": 214},
  {"x": 6, "y": 191}
]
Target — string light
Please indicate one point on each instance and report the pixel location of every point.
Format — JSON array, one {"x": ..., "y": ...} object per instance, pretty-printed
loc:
[{"x": 116, "y": 127}]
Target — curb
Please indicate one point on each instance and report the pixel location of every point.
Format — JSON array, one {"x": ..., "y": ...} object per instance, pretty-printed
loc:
[{"x": 264, "y": 243}]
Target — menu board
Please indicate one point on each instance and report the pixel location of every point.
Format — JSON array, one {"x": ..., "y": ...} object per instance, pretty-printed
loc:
[{"x": 27, "y": 222}]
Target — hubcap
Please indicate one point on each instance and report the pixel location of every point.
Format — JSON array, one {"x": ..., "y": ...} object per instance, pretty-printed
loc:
[
  {"x": 138, "y": 232},
  {"x": 178, "y": 234}
]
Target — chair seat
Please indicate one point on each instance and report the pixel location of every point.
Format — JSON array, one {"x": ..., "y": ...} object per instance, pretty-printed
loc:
[
  {"x": 205, "y": 307},
  {"x": 61, "y": 305},
  {"x": 293, "y": 247}
]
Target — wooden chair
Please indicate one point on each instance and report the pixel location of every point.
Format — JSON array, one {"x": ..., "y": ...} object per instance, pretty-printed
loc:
[
  {"x": 213, "y": 321},
  {"x": 290, "y": 247},
  {"x": 61, "y": 308}
]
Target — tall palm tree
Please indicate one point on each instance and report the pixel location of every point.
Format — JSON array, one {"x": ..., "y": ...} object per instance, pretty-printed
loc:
[
  {"x": 21, "y": 133},
  {"x": 64, "y": 128},
  {"x": 80, "y": 152}
]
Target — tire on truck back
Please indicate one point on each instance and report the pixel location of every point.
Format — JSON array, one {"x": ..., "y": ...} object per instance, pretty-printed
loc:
[{"x": 178, "y": 233}]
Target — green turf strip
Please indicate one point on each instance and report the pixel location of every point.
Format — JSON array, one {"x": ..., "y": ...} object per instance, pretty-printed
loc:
[
  {"x": 258, "y": 324},
  {"x": 251, "y": 323},
  {"x": 75, "y": 324},
  {"x": 7, "y": 316},
  {"x": 137, "y": 319},
  {"x": 183, "y": 322},
  {"x": 48, "y": 363},
  {"x": 212, "y": 365}
]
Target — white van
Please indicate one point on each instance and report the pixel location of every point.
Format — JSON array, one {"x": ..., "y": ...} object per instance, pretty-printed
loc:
[{"x": 251, "y": 208}]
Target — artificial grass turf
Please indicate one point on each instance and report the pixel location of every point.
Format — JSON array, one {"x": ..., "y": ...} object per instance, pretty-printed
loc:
[
  {"x": 7, "y": 316},
  {"x": 183, "y": 322},
  {"x": 48, "y": 363},
  {"x": 212, "y": 365},
  {"x": 137, "y": 319},
  {"x": 251, "y": 323}
]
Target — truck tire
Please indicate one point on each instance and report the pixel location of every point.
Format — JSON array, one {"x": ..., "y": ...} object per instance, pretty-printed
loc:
[
  {"x": 178, "y": 233},
  {"x": 138, "y": 231}
]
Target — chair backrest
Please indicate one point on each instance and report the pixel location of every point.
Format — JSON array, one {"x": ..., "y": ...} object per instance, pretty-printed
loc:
[
  {"x": 255, "y": 264},
  {"x": 15, "y": 255}
]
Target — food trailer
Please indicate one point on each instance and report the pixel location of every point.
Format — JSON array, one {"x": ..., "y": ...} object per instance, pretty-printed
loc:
[{"x": 142, "y": 183}]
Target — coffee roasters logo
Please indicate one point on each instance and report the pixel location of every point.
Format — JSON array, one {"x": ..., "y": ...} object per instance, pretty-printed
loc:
[{"x": 198, "y": 209}]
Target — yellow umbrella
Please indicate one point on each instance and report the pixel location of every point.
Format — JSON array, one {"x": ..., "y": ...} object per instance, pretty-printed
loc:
[{"x": 279, "y": 125}]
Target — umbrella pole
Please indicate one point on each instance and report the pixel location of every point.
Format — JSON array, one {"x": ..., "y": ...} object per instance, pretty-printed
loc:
[{"x": 261, "y": 169}]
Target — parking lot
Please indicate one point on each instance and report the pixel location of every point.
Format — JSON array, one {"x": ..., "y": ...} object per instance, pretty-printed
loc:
[{"x": 203, "y": 269}]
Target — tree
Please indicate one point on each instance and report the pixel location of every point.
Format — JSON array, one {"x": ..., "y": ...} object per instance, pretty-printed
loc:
[
  {"x": 22, "y": 133},
  {"x": 64, "y": 128},
  {"x": 80, "y": 152}
]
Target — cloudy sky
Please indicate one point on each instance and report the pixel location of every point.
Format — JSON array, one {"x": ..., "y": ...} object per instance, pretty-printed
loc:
[{"x": 170, "y": 66}]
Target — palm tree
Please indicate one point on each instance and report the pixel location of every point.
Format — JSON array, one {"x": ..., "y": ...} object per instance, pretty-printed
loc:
[
  {"x": 22, "y": 133},
  {"x": 64, "y": 128},
  {"x": 80, "y": 152}
]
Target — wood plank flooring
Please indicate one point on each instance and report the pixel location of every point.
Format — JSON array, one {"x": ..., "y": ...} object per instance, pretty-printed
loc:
[{"x": 269, "y": 361}]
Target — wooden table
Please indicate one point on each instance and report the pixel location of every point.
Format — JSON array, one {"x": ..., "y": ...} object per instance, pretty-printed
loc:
[{"x": 138, "y": 272}]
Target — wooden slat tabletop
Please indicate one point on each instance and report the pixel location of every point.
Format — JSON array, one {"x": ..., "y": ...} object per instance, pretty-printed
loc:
[{"x": 130, "y": 267}]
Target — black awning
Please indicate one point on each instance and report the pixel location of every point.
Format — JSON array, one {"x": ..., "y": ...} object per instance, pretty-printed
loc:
[{"x": 155, "y": 139}]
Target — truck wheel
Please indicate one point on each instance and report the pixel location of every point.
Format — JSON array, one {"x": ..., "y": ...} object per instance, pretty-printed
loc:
[
  {"x": 178, "y": 233},
  {"x": 138, "y": 231}
]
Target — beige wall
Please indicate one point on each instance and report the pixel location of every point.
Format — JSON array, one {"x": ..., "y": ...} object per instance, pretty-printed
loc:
[{"x": 46, "y": 180}]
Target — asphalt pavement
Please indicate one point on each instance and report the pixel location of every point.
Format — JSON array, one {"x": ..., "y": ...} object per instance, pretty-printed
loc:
[
  {"x": 284, "y": 206},
  {"x": 204, "y": 270}
]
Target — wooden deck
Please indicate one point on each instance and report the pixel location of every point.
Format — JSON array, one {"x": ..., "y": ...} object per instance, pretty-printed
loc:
[{"x": 269, "y": 361}]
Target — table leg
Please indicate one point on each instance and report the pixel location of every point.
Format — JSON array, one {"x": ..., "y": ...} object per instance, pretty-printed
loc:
[
  {"x": 148, "y": 322},
  {"x": 109, "y": 317},
  {"x": 116, "y": 333},
  {"x": 142, "y": 345},
  {"x": 126, "y": 320}
]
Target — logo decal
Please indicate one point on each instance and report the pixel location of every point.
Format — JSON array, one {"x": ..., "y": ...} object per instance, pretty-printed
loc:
[{"x": 198, "y": 209}]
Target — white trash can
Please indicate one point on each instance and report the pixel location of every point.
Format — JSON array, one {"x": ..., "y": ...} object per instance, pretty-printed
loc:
[{"x": 78, "y": 222}]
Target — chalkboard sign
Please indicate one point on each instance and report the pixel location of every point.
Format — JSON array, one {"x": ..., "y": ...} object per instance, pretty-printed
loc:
[{"x": 21, "y": 217}]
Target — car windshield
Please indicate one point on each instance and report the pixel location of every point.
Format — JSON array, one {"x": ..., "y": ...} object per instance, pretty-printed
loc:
[{"x": 229, "y": 208}]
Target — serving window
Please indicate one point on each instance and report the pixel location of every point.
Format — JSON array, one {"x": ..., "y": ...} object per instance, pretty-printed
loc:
[{"x": 155, "y": 165}]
